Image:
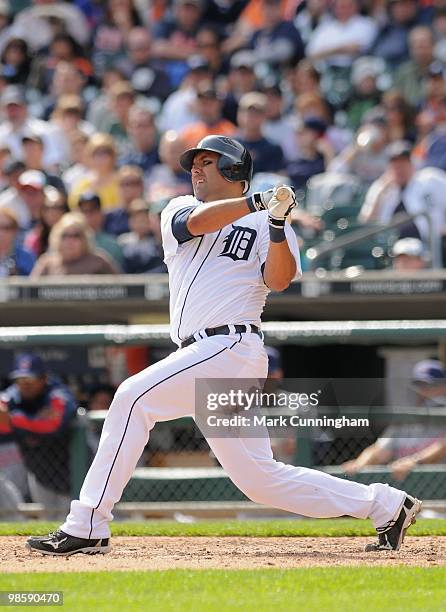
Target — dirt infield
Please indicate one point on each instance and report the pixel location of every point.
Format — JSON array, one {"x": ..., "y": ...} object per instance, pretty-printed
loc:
[{"x": 151, "y": 553}]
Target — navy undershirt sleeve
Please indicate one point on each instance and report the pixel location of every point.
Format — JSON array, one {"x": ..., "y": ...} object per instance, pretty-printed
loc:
[{"x": 179, "y": 225}]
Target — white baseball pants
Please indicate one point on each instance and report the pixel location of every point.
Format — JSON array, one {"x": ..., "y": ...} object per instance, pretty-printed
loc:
[{"x": 165, "y": 391}]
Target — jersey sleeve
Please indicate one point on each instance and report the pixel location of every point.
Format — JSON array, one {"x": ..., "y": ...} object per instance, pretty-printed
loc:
[
  {"x": 292, "y": 244},
  {"x": 170, "y": 243}
]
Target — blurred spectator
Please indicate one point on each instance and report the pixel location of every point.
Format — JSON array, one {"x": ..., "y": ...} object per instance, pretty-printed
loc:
[
  {"x": 439, "y": 28},
  {"x": 17, "y": 122},
  {"x": 278, "y": 127},
  {"x": 312, "y": 14},
  {"x": 31, "y": 190},
  {"x": 67, "y": 81},
  {"x": 305, "y": 79},
  {"x": 67, "y": 116},
  {"x": 5, "y": 157},
  {"x": 209, "y": 42},
  {"x": 32, "y": 145},
  {"x": 90, "y": 207},
  {"x": 434, "y": 91},
  {"x": 314, "y": 152},
  {"x": 143, "y": 145},
  {"x": 404, "y": 189},
  {"x": 266, "y": 156},
  {"x": 411, "y": 76},
  {"x": 36, "y": 411},
  {"x": 99, "y": 109},
  {"x": 391, "y": 43},
  {"x": 314, "y": 105},
  {"x": 77, "y": 168},
  {"x": 5, "y": 22},
  {"x": 101, "y": 157},
  {"x": 431, "y": 150},
  {"x": 367, "y": 156},
  {"x": 178, "y": 110},
  {"x": 146, "y": 76},
  {"x": 241, "y": 79},
  {"x": 208, "y": 106},
  {"x": 365, "y": 94},
  {"x": 72, "y": 251},
  {"x": 403, "y": 439},
  {"x": 399, "y": 116},
  {"x": 14, "y": 259},
  {"x": 100, "y": 397},
  {"x": 122, "y": 98},
  {"x": 39, "y": 23},
  {"x": 16, "y": 61},
  {"x": 176, "y": 35},
  {"x": 141, "y": 248},
  {"x": 341, "y": 38},
  {"x": 223, "y": 13},
  {"x": 10, "y": 197},
  {"x": 131, "y": 187},
  {"x": 63, "y": 49},
  {"x": 111, "y": 35},
  {"x": 408, "y": 255},
  {"x": 168, "y": 179},
  {"x": 53, "y": 208},
  {"x": 278, "y": 43}
]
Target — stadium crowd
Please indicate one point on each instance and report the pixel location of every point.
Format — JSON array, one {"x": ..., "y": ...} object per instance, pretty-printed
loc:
[{"x": 344, "y": 99}]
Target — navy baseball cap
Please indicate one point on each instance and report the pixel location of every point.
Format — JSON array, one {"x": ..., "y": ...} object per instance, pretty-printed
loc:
[
  {"x": 430, "y": 371},
  {"x": 28, "y": 365}
]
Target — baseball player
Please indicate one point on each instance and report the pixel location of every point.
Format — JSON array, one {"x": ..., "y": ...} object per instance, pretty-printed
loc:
[{"x": 224, "y": 251}]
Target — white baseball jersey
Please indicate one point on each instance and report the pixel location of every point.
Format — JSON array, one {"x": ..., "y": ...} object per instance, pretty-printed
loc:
[{"x": 216, "y": 279}]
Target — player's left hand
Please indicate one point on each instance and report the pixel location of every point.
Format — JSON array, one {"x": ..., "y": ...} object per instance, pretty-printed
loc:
[{"x": 282, "y": 202}]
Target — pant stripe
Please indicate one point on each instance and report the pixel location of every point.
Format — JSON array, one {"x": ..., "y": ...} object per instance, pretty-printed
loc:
[{"x": 130, "y": 414}]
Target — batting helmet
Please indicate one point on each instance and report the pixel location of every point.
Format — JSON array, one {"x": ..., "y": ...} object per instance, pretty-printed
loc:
[{"x": 234, "y": 163}]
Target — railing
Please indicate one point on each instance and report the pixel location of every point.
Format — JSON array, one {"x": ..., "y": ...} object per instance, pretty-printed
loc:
[{"x": 319, "y": 251}]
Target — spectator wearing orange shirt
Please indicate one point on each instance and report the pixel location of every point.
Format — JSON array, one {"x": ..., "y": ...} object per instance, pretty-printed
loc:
[{"x": 208, "y": 107}]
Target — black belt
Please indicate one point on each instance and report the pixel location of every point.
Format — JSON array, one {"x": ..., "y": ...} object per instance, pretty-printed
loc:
[{"x": 223, "y": 330}]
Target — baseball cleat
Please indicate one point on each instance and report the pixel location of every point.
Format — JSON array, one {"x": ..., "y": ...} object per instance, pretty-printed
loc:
[
  {"x": 391, "y": 536},
  {"x": 61, "y": 544}
]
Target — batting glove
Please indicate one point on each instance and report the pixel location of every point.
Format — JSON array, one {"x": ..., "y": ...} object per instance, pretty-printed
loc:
[
  {"x": 279, "y": 207},
  {"x": 259, "y": 200}
]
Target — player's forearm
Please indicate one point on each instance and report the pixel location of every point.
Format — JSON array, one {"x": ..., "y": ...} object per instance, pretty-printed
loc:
[
  {"x": 373, "y": 455},
  {"x": 432, "y": 454},
  {"x": 280, "y": 266},
  {"x": 212, "y": 216}
]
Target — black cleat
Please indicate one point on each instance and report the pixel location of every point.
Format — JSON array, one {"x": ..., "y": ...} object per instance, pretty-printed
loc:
[
  {"x": 391, "y": 536},
  {"x": 62, "y": 544}
]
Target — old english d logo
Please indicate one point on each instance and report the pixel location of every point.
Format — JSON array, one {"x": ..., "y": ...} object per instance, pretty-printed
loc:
[{"x": 239, "y": 243}]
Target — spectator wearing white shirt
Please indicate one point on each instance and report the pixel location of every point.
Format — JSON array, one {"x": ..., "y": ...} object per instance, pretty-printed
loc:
[
  {"x": 10, "y": 197},
  {"x": 18, "y": 122},
  {"x": 36, "y": 23},
  {"x": 339, "y": 40},
  {"x": 178, "y": 110},
  {"x": 404, "y": 189}
]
